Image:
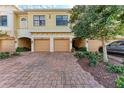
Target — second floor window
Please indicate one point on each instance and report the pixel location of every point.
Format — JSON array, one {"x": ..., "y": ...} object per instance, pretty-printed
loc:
[
  {"x": 38, "y": 20},
  {"x": 61, "y": 20},
  {"x": 3, "y": 20},
  {"x": 23, "y": 19}
]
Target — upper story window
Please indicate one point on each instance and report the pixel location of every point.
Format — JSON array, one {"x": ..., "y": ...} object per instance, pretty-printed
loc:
[
  {"x": 38, "y": 20},
  {"x": 61, "y": 20},
  {"x": 23, "y": 19},
  {"x": 3, "y": 20}
]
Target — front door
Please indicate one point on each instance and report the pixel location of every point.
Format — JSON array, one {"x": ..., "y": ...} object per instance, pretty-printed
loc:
[{"x": 23, "y": 22}]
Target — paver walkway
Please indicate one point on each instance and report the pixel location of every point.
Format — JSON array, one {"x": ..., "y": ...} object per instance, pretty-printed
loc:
[{"x": 39, "y": 70}]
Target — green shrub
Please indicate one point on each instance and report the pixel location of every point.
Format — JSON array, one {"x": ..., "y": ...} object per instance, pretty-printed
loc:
[
  {"x": 115, "y": 68},
  {"x": 93, "y": 58},
  {"x": 22, "y": 49},
  {"x": 4, "y": 55},
  {"x": 92, "y": 62},
  {"x": 100, "y": 56},
  {"x": 119, "y": 82},
  {"x": 19, "y": 49},
  {"x": 83, "y": 49},
  {"x": 79, "y": 54}
]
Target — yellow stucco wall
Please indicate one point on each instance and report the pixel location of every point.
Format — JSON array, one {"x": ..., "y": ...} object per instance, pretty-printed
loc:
[
  {"x": 50, "y": 18},
  {"x": 95, "y": 44},
  {"x": 16, "y": 24}
]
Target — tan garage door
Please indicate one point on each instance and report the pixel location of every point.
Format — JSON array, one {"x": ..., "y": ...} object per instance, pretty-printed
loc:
[
  {"x": 7, "y": 45},
  {"x": 93, "y": 45},
  {"x": 42, "y": 45},
  {"x": 61, "y": 45}
]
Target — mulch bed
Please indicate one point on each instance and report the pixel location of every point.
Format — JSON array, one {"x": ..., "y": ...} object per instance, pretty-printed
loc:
[{"x": 100, "y": 73}]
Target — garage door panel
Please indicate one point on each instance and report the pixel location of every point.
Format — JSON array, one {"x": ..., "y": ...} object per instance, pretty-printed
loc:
[
  {"x": 7, "y": 45},
  {"x": 61, "y": 45},
  {"x": 42, "y": 44}
]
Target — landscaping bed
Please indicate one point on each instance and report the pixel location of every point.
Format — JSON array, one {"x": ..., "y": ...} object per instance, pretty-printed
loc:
[
  {"x": 5, "y": 55},
  {"x": 109, "y": 74},
  {"x": 23, "y": 50},
  {"x": 100, "y": 73}
]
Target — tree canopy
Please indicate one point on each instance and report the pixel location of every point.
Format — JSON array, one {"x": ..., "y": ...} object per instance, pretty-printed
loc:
[{"x": 97, "y": 21}]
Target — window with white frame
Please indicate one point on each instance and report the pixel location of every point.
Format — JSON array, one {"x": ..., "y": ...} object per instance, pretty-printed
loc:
[
  {"x": 38, "y": 20},
  {"x": 23, "y": 19},
  {"x": 3, "y": 20},
  {"x": 61, "y": 20}
]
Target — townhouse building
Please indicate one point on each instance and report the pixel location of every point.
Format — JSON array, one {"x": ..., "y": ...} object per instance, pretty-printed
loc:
[{"x": 37, "y": 29}]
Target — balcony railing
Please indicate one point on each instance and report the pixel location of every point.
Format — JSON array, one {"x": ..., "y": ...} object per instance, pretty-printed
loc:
[
  {"x": 23, "y": 32},
  {"x": 8, "y": 32},
  {"x": 27, "y": 32},
  {"x": 50, "y": 29}
]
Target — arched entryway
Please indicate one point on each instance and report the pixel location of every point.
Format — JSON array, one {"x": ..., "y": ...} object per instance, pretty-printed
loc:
[
  {"x": 24, "y": 42},
  {"x": 77, "y": 43}
]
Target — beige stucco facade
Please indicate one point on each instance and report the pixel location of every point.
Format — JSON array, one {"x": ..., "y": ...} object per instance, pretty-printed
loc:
[
  {"x": 49, "y": 37},
  {"x": 39, "y": 38}
]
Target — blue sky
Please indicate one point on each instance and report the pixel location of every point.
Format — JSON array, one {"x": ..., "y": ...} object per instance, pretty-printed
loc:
[{"x": 44, "y": 6}]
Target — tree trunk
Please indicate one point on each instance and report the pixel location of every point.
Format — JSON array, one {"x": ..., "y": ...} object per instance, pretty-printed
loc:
[
  {"x": 105, "y": 57},
  {"x": 86, "y": 43}
]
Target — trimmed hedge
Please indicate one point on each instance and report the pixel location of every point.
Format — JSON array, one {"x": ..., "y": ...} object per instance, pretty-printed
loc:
[
  {"x": 4, "y": 55},
  {"x": 22, "y": 49}
]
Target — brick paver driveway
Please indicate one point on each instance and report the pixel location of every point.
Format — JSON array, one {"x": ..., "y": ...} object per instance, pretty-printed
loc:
[{"x": 44, "y": 70}]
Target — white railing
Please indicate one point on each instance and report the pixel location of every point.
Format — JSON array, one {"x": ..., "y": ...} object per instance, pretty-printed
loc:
[
  {"x": 51, "y": 29},
  {"x": 6, "y": 32},
  {"x": 27, "y": 32},
  {"x": 23, "y": 32}
]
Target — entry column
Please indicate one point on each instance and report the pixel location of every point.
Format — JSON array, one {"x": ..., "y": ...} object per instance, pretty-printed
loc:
[
  {"x": 32, "y": 44},
  {"x": 16, "y": 43},
  {"x": 70, "y": 43},
  {"x": 86, "y": 43},
  {"x": 51, "y": 43}
]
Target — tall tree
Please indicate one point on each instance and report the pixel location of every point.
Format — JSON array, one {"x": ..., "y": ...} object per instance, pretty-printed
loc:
[
  {"x": 76, "y": 15},
  {"x": 98, "y": 22}
]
